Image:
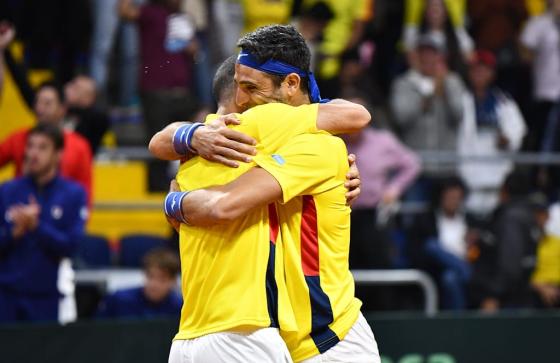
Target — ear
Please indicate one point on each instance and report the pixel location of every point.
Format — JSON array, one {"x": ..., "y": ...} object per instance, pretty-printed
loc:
[{"x": 292, "y": 81}]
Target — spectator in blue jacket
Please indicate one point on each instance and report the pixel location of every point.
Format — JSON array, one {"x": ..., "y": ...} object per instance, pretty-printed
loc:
[
  {"x": 157, "y": 298},
  {"x": 42, "y": 217}
]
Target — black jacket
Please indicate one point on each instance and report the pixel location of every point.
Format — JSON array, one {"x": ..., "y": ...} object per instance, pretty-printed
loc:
[{"x": 505, "y": 265}]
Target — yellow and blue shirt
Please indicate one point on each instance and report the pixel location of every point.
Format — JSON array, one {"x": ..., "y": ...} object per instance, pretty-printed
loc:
[
  {"x": 233, "y": 275},
  {"x": 315, "y": 228}
]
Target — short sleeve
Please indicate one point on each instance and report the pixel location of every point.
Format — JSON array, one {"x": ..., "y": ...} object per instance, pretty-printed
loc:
[
  {"x": 277, "y": 123},
  {"x": 308, "y": 164}
]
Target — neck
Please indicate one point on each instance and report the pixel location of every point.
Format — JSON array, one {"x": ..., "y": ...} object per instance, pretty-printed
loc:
[
  {"x": 479, "y": 92},
  {"x": 222, "y": 110},
  {"x": 449, "y": 214},
  {"x": 300, "y": 99},
  {"x": 45, "y": 178}
]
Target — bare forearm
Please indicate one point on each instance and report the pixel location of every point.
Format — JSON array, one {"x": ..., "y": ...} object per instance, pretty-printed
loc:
[
  {"x": 202, "y": 207},
  {"x": 223, "y": 204},
  {"x": 341, "y": 117},
  {"x": 161, "y": 144}
]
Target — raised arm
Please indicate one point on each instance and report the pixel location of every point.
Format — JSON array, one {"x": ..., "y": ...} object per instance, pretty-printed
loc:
[
  {"x": 161, "y": 144},
  {"x": 213, "y": 141},
  {"x": 216, "y": 142},
  {"x": 7, "y": 34},
  {"x": 341, "y": 117}
]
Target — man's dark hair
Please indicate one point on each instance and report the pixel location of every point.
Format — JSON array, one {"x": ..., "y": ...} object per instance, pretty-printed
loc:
[
  {"x": 163, "y": 259},
  {"x": 279, "y": 42},
  {"x": 57, "y": 88},
  {"x": 516, "y": 184},
  {"x": 52, "y": 132},
  {"x": 445, "y": 184},
  {"x": 223, "y": 84}
]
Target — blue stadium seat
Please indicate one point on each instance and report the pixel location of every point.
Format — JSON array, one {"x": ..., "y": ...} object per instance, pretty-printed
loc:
[
  {"x": 134, "y": 247},
  {"x": 93, "y": 252}
]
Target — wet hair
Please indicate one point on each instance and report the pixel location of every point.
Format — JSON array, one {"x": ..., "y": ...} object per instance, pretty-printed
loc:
[
  {"x": 56, "y": 87},
  {"x": 223, "y": 83},
  {"x": 163, "y": 259},
  {"x": 279, "y": 42},
  {"x": 52, "y": 132}
]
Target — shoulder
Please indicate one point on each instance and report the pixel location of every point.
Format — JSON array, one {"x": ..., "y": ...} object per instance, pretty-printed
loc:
[
  {"x": 70, "y": 187},
  {"x": 455, "y": 78},
  {"x": 18, "y": 135},
  {"x": 175, "y": 298},
  {"x": 11, "y": 186},
  {"x": 77, "y": 145},
  {"x": 276, "y": 109},
  {"x": 75, "y": 140},
  {"x": 381, "y": 135},
  {"x": 405, "y": 78},
  {"x": 127, "y": 295},
  {"x": 317, "y": 140},
  {"x": 540, "y": 21},
  {"x": 515, "y": 211},
  {"x": 502, "y": 95},
  {"x": 537, "y": 25}
]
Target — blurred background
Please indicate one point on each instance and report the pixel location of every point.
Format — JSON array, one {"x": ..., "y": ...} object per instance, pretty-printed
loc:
[{"x": 455, "y": 237}]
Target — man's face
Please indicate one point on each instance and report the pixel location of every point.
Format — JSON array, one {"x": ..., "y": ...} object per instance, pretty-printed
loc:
[
  {"x": 481, "y": 75},
  {"x": 80, "y": 92},
  {"x": 255, "y": 88},
  {"x": 48, "y": 107},
  {"x": 452, "y": 200},
  {"x": 428, "y": 61},
  {"x": 158, "y": 284},
  {"x": 40, "y": 155}
]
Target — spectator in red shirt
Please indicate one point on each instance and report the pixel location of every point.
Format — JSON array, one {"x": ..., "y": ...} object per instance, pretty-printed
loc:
[{"x": 76, "y": 163}]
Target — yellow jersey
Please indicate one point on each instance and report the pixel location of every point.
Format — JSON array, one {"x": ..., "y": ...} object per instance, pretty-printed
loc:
[
  {"x": 315, "y": 228},
  {"x": 232, "y": 275},
  {"x": 339, "y": 30},
  {"x": 547, "y": 270}
]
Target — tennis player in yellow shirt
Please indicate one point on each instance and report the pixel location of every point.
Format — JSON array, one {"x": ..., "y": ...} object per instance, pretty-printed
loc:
[
  {"x": 307, "y": 175},
  {"x": 211, "y": 328}
]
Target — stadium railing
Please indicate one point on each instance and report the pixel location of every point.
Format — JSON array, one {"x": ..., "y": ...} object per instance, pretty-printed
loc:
[
  {"x": 113, "y": 279},
  {"x": 402, "y": 277}
]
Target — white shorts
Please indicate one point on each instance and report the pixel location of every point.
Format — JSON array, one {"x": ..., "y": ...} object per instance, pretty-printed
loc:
[
  {"x": 358, "y": 346},
  {"x": 260, "y": 346}
]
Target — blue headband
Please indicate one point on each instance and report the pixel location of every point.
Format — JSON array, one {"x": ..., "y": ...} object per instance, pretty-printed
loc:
[{"x": 278, "y": 68}]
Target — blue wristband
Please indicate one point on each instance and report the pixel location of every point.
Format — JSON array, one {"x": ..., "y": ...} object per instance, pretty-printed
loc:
[
  {"x": 190, "y": 135},
  {"x": 179, "y": 138},
  {"x": 172, "y": 206},
  {"x": 182, "y": 138}
]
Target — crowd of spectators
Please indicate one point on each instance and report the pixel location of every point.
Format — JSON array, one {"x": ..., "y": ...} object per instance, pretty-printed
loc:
[{"x": 472, "y": 81}]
